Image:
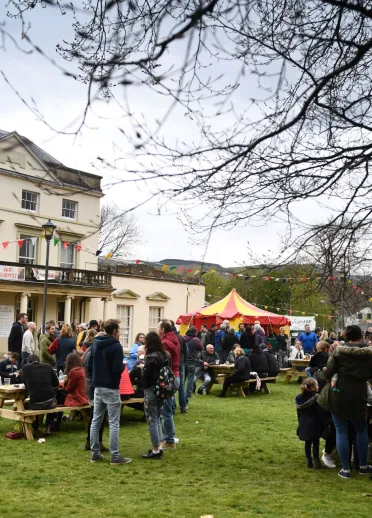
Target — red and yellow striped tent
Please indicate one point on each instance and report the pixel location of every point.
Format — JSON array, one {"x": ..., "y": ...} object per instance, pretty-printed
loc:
[{"x": 234, "y": 309}]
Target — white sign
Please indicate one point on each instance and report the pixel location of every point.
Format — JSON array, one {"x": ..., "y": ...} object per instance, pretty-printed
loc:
[
  {"x": 298, "y": 323},
  {"x": 6, "y": 320},
  {"x": 12, "y": 273}
]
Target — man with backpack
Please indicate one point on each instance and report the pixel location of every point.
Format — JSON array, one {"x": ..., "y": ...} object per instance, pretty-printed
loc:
[
  {"x": 105, "y": 366},
  {"x": 172, "y": 346}
]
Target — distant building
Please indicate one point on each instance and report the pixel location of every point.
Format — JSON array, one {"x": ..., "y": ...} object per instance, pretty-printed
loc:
[
  {"x": 363, "y": 319},
  {"x": 36, "y": 187}
]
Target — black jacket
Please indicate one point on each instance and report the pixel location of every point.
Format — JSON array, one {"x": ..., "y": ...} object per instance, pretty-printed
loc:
[
  {"x": 150, "y": 372},
  {"x": 15, "y": 338},
  {"x": 209, "y": 358},
  {"x": 246, "y": 340},
  {"x": 40, "y": 380},
  {"x": 65, "y": 346},
  {"x": 282, "y": 341},
  {"x": 242, "y": 368},
  {"x": 312, "y": 419},
  {"x": 228, "y": 342},
  {"x": 8, "y": 369},
  {"x": 274, "y": 368},
  {"x": 88, "y": 380},
  {"x": 318, "y": 361},
  {"x": 258, "y": 361},
  {"x": 105, "y": 364},
  {"x": 194, "y": 348},
  {"x": 183, "y": 349},
  {"x": 209, "y": 338}
]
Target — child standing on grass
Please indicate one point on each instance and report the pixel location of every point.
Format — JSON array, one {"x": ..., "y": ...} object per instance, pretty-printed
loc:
[{"x": 311, "y": 421}]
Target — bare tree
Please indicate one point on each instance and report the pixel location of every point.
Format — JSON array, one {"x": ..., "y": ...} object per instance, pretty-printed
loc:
[
  {"x": 289, "y": 120},
  {"x": 118, "y": 232}
]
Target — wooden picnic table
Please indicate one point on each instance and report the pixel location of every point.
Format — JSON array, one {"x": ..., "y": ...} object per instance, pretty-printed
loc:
[
  {"x": 19, "y": 394},
  {"x": 219, "y": 372},
  {"x": 297, "y": 369}
]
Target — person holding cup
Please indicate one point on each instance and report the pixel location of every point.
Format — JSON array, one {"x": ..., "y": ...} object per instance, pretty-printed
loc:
[
  {"x": 9, "y": 368},
  {"x": 208, "y": 357}
]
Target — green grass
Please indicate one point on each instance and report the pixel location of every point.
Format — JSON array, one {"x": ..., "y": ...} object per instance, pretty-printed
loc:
[{"x": 237, "y": 457}]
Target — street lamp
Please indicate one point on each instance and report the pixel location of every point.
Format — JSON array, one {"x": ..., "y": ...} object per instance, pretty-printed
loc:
[{"x": 49, "y": 229}]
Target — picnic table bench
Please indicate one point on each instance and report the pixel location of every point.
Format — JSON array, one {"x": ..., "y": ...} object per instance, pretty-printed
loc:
[
  {"x": 25, "y": 417},
  {"x": 297, "y": 369},
  {"x": 221, "y": 370}
]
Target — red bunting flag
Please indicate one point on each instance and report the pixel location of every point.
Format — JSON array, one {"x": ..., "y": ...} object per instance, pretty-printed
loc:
[
  {"x": 5, "y": 244},
  {"x": 138, "y": 261},
  {"x": 234, "y": 275},
  {"x": 65, "y": 245},
  {"x": 78, "y": 247},
  {"x": 189, "y": 270},
  {"x": 20, "y": 242},
  {"x": 181, "y": 269}
]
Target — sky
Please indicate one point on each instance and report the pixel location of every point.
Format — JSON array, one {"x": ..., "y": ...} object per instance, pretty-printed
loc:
[{"x": 60, "y": 101}]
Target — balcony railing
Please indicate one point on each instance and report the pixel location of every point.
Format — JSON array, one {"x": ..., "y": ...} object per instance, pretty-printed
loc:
[{"x": 62, "y": 276}]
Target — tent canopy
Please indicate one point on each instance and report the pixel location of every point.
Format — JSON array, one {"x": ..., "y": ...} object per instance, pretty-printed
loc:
[{"x": 235, "y": 309}]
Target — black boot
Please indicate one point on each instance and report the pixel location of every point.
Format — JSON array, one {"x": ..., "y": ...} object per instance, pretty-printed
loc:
[
  {"x": 309, "y": 463},
  {"x": 317, "y": 463}
]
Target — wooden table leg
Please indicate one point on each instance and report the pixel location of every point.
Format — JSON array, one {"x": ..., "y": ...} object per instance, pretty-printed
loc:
[
  {"x": 19, "y": 404},
  {"x": 265, "y": 387},
  {"x": 288, "y": 378}
]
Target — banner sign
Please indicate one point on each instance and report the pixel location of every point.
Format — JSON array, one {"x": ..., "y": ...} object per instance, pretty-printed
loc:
[
  {"x": 6, "y": 320},
  {"x": 40, "y": 275},
  {"x": 298, "y": 323},
  {"x": 12, "y": 273}
]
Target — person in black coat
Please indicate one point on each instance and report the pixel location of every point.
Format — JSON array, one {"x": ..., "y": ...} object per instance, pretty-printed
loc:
[
  {"x": 259, "y": 362},
  {"x": 16, "y": 334},
  {"x": 320, "y": 358},
  {"x": 242, "y": 371},
  {"x": 246, "y": 341},
  {"x": 272, "y": 363},
  {"x": 209, "y": 337},
  {"x": 9, "y": 369},
  {"x": 228, "y": 342},
  {"x": 312, "y": 421}
]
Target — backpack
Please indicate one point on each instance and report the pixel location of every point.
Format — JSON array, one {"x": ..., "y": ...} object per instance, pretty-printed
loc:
[{"x": 165, "y": 387}]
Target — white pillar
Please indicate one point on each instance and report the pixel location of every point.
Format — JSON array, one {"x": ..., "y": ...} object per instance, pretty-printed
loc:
[
  {"x": 105, "y": 308},
  {"x": 87, "y": 310},
  {"x": 67, "y": 315},
  {"x": 24, "y": 303}
]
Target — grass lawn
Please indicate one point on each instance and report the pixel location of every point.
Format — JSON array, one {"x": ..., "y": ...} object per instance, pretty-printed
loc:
[{"x": 236, "y": 457}]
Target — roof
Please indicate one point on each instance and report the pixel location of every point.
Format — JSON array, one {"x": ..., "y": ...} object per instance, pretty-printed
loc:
[
  {"x": 52, "y": 163},
  {"x": 233, "y": 306}
]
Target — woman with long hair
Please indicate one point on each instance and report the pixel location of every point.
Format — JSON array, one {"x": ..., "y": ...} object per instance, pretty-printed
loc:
[
  {"x": 133, "y": 354},
  {"x": 62, "y": 346},
  {"x": 75, "y": 382},
  {"x": 155, "y": 359}
]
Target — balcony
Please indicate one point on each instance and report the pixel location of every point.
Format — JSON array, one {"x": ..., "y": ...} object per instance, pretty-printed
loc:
[{"x": 32, "y": 273}]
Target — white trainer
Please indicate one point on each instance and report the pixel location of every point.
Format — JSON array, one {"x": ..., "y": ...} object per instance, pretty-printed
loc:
[{"x": 328, "y": 460}]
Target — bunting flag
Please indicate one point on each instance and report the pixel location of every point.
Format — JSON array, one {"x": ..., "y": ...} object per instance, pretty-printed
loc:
[
  {"x": 20, "y": 242},
  {"x": 109, "y": 255},
  {"x": 138, "y": 261},
  {"x": 78, "y": 248},
  {"x": 164, "y": 267},
  {"x": 173, "y": 268},
  {"x": 56, "y": 240},
  {"x": 65, "y": 245},
  {"x": 189, "y": 270},
  {"x": 5, "y": 244},
  {"x": 181, "y": 269},
  {"x": 33, "y": 241},
  {"x": 196, "y": 272},
  {"x": 98, "y": 252},
  {"x": 203, "y": 273}
]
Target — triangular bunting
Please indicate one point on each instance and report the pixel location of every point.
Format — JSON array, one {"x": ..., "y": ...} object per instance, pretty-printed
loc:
[
  {"x": 164, "y": 267},
  {"x": 189, "y": 270},
  {"x": 98, "y": 252},
  {"x": 78, "y": 247},
  {"x": 173, "y": 268},
  {"x": 56, "y": 240},
  {"x": 181, "y": 269},
  {"x": 5, "y": 244},
  {"x": 138, "y": 261},
  {"x": 109, "y": 255},
  {"x": 196, "y": 272},
  {"x": 20, "y": 242},
  {"x": 33, "y": 241},
  {"x": 65, "y": 245}
]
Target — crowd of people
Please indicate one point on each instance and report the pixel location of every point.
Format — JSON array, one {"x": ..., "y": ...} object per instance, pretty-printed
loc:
[{"x": 84, "y": 366}]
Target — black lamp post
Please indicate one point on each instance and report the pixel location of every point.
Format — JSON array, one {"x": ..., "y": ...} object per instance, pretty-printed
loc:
[{"x": 49, "y": 229}]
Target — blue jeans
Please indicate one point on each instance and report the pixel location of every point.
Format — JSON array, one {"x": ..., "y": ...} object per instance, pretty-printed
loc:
[
  {"x": 308, "y": 372},
  {"x": 190, "y": 379},
  {"x": 153, "y": 409},
  {"x": 167, "y": 417},
  {"x": 182, "y": 398},
  {"x": 24, "y": 357},
  {"x": 109, "y": 399},
  {"x": 342, "y": 439},
  {"x": 200, "y": 373}
]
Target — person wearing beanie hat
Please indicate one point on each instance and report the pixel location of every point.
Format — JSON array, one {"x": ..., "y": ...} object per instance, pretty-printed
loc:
[{"x": 93, "y": 324}]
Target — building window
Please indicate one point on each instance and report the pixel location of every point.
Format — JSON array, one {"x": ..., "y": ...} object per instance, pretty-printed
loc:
[
  {"x": 29, "y": 200},
  {"x": 69, "y": 209},
  {"x": 155, "y": 315},
  {"x": 125, "y": 315},
  {"x": 27, "y": 252},
  {"x": 68, "y": 256},
  {"x": 369, "y": 316},
  {"x": 360, "y": 316}
]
